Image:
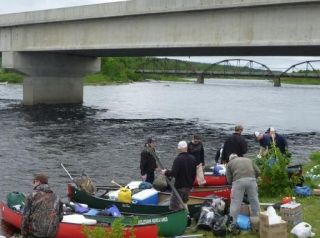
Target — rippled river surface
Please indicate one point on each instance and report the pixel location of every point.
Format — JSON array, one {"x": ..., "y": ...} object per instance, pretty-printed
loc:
[{"x": 105, "y": 135}]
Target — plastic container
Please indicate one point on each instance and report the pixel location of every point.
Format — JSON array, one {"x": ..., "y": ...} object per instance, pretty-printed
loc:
[
  {"x": 146, "y": 197},
  {"x": 124, "y": 195},
  {"x": 134, "y": 184},
  {"x": 113, "y": 195}
]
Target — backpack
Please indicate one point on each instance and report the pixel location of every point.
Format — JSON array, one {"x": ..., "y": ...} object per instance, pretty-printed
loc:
[
  {"x": 206, "y": 218},
  {"x": 85, "y": 183},
  {"x": 221, "y": 225},
  {"x": 16, "y": 200}
]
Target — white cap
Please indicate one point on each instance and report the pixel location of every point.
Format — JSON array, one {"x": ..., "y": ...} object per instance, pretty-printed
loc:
[
  {"x": 182, "y": 144},
  {"x": 257, "y": 133}
]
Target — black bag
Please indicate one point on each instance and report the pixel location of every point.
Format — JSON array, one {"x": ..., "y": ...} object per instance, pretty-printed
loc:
[
  {"x": 221, "y": 224},
  {"x": 206, "y": 218}
]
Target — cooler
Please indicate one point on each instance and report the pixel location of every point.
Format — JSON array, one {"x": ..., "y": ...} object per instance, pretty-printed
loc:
[
  {"x": 133, "y": 184},
  {"x": 146, "y": 197}
]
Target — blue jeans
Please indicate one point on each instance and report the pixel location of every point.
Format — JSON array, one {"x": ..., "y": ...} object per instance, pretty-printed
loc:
[{"x": 239, "y": 187}]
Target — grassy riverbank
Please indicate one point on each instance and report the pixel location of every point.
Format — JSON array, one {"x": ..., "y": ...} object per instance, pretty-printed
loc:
[
  {"x": 116, "y": 70},
  {"x": 10, "y": 77},
  {"x": 310, "y": 206},
  {"x": 301, "y": 81}
]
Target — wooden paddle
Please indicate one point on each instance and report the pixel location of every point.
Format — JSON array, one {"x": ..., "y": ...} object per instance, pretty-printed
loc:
[
  {"x": 69, "y": 174},
  {"x": 174, "y": 190}
]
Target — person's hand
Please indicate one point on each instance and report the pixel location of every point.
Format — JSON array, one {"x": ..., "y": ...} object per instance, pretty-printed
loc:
[
  {"x": 144, "y": 177},
  {"x": 163, "y": 171}
]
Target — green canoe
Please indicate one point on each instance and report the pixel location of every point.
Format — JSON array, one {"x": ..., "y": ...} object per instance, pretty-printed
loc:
[
  {"x": 169, "y": 224},
  {"x": 101, "y": 202}
]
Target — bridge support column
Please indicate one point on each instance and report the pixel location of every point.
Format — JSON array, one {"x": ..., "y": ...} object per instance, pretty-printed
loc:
[
  {"x": 51, "y": 78},
  {"x": 200, "y": 79},
  {"x": 276, "y": 82}
]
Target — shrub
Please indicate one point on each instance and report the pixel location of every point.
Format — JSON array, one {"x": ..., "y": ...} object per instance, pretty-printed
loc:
[
  {"x": 274, "y": 179},
  {"x": 116, "y": 231}
]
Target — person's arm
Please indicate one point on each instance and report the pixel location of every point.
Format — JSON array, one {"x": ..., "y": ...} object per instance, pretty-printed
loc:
[
  {"x": 143, "y": 163},
  {"x": 229, "y": 174},
  {"x": 256, "y": 169},
  {"x": 26, "y": 216},
  {"x": 202, "y": 155},
  {"x": 244, "y": 146}
]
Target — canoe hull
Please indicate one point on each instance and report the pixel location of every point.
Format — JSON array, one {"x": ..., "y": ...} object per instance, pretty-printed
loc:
[
  {"x": 67, "y": 230},
  {"x": 74, "y": 194},
  {"x": 220, "y": 191},
  {"x": 213, "y": 180}
]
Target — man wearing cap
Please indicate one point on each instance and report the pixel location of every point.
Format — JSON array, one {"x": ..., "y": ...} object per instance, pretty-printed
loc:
[
  {"x": 242, "y": 173},
  {"x": 43, "y": 211},
  {"x": 184, "y": 172},
  {"x": 234, "y": 144},
  {"x": 148, "y": 162},
  {"x": 264, "y": 142}
]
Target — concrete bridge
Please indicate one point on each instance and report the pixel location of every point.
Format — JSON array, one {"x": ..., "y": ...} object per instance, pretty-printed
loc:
[{"x": 56, "y": 48}]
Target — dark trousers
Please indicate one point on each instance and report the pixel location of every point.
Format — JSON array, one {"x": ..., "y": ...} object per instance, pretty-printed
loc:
[{"x": 150, "y": 177}]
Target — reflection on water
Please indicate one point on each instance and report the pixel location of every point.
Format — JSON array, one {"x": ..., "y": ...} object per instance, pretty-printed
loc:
[{"x": 105, "y": 136}]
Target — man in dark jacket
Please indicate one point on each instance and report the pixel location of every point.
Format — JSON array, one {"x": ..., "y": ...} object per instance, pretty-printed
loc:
[
  {"x": 184, "y": 172},
  {"x": 235, "y": 144},
  {"x": 279, "y": 140},
  {"x": 195, "y": 148},
  {"x": 148, "y": 163},
  {"x": 43, "y": 211}
]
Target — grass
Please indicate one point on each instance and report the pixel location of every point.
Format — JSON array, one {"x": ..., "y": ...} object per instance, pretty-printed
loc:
[
  {"x": 10, "y": 77},
  {"x": 310, "y": 207},
  {"x": 301, "y": 81}
]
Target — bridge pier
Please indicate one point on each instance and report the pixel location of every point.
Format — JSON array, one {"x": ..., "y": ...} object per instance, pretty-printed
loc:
[
  {"x": 200, "y": 79},
  {"x": 276, "y": 82},
  {"x": 51, "y": 78}
]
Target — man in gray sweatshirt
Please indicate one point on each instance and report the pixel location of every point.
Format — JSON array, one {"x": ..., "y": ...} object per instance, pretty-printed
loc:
[{"x": 242, "y": 173}]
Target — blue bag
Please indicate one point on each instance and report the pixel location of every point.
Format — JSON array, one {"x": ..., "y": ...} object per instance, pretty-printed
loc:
[
  {"x": 80, "y": 209},
  {"x": 145, "y": 185},
  {"x": 113, "y": 211},
  {"x": 243, "y": 222},
  {"x": 303, "y": 191},
  {"x": 92, "y": 212}
]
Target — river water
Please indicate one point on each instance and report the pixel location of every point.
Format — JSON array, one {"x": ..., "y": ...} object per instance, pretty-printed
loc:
[{"x": 105, "y": 135}]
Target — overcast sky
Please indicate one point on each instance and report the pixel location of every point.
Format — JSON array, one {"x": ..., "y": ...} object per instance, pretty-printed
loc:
[{"x": 11, "y": 6}]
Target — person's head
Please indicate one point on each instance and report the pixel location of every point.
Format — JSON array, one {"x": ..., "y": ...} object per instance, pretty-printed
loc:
[
  {"x": 151, "y": 142},
  {"x": 238, "y": 129},
  {"x": 40, "y": 179},
  {"x": 258, "y": 135},
  {"x": 196, "y": 139},
  {"x": 272, "y": 132},
  {"x": 182, "y": 146}
]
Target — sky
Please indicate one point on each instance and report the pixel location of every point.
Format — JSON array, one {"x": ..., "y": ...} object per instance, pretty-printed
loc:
[{"x": 12, "y": 6}]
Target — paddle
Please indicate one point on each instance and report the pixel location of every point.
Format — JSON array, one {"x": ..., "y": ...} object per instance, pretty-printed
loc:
[
  {"x": 68, "y": 174},
  {"x": 174, "y": 190}
]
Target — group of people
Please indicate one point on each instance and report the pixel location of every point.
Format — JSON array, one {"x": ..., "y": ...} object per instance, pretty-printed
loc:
[
  {"x": 241, "y": 172},
  {"x": 43, "y": 209},
  {"x": 190, "y": 155},
  {"x": 266, "y": 139}
]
